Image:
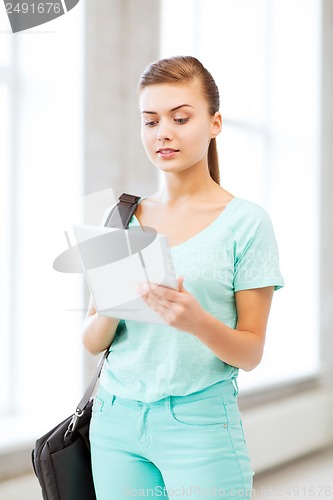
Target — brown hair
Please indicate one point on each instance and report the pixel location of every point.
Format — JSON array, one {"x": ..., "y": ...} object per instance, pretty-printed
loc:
[{"x": 182, "y": 69}]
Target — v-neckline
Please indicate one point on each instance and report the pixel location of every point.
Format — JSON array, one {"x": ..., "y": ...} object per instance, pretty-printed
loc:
[{"x": 197, "y": 235}]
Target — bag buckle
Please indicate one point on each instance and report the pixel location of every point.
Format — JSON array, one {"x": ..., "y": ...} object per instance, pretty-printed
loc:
[{"x": 72, "y": 424}]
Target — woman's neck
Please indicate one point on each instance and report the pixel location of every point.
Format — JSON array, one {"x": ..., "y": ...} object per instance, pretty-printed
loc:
[{"x": 179, "y": 191}]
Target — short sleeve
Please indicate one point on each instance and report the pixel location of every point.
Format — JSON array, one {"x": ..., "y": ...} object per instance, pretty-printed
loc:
[{"x": 256, "y": 260}]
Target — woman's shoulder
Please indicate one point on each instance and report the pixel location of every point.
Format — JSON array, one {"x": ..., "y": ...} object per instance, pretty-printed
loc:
[
  {"x": 246, "y": 215},
  {"x": 243, "y": 206}
]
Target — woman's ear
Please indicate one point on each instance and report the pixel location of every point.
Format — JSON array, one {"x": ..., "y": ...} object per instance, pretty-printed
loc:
[{"x": 216, "y": 125}]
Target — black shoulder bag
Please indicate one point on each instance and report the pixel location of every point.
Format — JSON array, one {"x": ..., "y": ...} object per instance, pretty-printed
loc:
[{"x": 61, "y": 458}]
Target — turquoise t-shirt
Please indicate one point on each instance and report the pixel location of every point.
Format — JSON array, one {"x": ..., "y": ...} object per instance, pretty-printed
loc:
[{"x": 237, "y": 251}]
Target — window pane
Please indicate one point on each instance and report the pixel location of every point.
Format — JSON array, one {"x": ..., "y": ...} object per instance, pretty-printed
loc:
[
  {"x": 5, "y": 261},
  {"x": 233, "y": 43},
  {"x": 46, "y": 180},
  {"x": 5, "y": 38},
  {"x": 242, "y": 169},
  {"x": 47, "y": 186}
]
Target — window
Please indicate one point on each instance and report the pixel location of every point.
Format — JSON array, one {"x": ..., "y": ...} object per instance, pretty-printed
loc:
[
  {"x": 41, "y": 180},
  {"x": 265, "y": 57},
  {"x": 5, "y": 236}
]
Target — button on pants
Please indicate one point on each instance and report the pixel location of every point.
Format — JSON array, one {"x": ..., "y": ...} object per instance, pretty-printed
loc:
[{"x": 178, "y": 447}]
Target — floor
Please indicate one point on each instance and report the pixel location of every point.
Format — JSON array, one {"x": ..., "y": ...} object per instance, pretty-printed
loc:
[{"x": 308, "y": 479}]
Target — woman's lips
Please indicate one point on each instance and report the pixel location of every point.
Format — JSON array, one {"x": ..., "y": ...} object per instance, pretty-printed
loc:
[{"x": 167, "y": 153}]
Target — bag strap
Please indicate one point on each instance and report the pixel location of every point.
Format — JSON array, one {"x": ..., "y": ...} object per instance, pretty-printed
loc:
[
  {"x": 121, "y": 213},
  {"x": 120, "y": 217}
]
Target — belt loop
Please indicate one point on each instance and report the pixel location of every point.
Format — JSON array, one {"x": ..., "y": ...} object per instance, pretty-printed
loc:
[{"x": 234, "y": 383}]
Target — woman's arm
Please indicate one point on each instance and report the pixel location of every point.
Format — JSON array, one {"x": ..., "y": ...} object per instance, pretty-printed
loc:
[
  {"x": 241, "y": 347},
  {"x": 98, "y": 331}
]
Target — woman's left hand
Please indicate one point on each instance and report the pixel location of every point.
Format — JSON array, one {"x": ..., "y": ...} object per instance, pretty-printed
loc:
[{"x": 179, "y": 309}]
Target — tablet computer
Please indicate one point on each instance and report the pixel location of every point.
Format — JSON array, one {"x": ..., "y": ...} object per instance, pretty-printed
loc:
[{"x": 116, "y": 260}]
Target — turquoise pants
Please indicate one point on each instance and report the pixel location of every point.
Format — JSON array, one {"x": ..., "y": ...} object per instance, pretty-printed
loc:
[{"x": 178, "y": 447}]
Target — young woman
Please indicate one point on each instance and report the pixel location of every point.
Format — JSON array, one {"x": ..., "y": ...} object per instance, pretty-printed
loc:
[{"x": 165, "y": 418}]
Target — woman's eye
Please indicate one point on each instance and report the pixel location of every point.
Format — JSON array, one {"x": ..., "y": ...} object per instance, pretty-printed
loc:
[
  {"x": 181, "y": 121},
  {"x": 150, "y": 124}
]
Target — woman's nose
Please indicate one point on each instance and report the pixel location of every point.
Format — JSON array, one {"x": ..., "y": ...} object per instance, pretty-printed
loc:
[{"x": 163, "y": 133}]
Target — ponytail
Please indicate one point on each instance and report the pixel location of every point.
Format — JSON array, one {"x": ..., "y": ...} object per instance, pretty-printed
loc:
[{"x": 213, "y": 161}]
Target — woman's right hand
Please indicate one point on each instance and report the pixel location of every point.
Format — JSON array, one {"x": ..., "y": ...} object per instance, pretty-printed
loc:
[{"x": 98, "y": 331}]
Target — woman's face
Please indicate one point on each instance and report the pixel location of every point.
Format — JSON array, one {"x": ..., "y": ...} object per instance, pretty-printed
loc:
[{"x": 176, "y": 125}]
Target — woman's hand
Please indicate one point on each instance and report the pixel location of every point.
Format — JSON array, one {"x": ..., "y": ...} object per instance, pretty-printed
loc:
[{"x": 179, "y": 309}]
